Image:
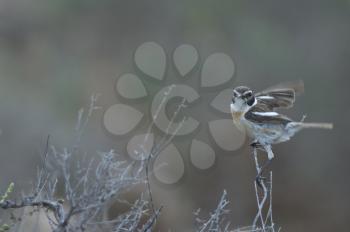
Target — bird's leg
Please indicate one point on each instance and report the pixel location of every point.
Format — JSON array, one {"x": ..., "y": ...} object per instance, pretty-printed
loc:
[
  {"x": 255, "y": 144},
  {"x": 270, "y": 156},
  {"x": 259, "y": 177}
]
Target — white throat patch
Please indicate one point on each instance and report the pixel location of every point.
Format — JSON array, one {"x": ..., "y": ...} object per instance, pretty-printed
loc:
[{"x": 241, "y": 106}]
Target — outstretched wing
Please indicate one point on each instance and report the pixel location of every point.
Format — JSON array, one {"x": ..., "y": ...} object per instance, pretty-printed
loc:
[
  {"x": 261, "y": 114},
  {"x": 281, "y": 95}
]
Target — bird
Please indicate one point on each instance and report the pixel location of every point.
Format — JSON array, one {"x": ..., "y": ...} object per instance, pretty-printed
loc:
[{"x": 255, "y": 114}]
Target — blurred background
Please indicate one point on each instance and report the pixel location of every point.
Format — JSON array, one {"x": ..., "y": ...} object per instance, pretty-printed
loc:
[{"x": 55, "y": 54}]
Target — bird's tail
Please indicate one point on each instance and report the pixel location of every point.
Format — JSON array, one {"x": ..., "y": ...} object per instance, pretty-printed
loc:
[{"x": 328, "y": 126}]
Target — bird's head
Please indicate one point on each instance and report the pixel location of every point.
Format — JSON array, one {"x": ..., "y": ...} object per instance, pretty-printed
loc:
[{"x": 243, "y": 99}]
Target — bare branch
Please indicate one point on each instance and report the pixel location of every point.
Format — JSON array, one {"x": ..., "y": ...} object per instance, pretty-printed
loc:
[
  {"x": 216, "y": 222},
  {"x": 261, "y": 222},
  {"x": 87, "y": 187}
]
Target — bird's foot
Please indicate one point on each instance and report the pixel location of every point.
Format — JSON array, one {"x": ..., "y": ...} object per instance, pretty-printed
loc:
[{"x": 257, "y": 145}]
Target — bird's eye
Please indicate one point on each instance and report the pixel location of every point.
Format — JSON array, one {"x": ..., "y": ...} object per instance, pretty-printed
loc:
[
  {"x": 248, "y": 95},
  {"x": 251, "y": 101}
]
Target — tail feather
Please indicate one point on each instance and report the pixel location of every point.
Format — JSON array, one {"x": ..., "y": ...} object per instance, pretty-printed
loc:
[{"x": 316, "y": 125}]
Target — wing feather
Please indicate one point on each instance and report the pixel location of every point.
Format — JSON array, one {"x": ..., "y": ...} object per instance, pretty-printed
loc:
[
  {"x": 297, "y": 86},
  {"x": 281, "y": 95},
  {"x": 260, "y": 114}
]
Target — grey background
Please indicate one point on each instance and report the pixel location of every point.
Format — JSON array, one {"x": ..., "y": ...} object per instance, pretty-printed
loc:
[{"x": 55, "y": 54}]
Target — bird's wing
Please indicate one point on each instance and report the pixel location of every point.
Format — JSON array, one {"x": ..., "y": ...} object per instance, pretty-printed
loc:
[
  {"x": 281, "y": 95},
  {"x": 261, "y": 114}
]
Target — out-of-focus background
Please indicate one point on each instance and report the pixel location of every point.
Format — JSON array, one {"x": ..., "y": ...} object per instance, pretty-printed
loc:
[{"x": 55, "y": 54}]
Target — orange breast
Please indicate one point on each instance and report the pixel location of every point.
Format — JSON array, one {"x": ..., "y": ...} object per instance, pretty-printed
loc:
[{"x": 236, "y": 116}]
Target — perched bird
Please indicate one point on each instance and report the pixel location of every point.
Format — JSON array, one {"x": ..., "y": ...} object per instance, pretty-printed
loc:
[{"x": 255, "y": 113}]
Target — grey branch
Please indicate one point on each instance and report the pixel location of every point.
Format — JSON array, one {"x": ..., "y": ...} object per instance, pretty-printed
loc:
[
  {"x": 217, "y": 221},
  {"x": 261, "y": 221},
  {"x": 89, "y": 185}
]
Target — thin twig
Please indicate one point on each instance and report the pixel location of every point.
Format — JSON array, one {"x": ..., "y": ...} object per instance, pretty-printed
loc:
[
  {"x": 163, "y": 143},
  {"x": 267, "y": 223}
]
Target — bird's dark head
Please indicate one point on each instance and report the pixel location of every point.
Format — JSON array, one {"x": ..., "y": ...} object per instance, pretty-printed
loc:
[{"x": 243, "y": 95}]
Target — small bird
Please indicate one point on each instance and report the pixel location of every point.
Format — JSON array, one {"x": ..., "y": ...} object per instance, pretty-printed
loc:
[{"x": 256, "y": 115}]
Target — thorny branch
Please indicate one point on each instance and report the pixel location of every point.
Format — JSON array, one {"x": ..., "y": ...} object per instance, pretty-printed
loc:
[
  {"x": 88, "y": 187},
  {"x": 217, "y": 221},
  {"x": 263, "y": 222},
  {"x": 160, "y": 145}
]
